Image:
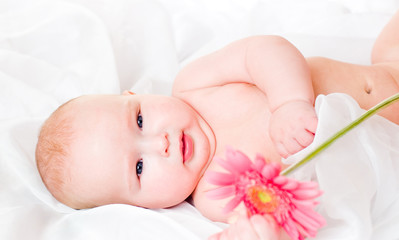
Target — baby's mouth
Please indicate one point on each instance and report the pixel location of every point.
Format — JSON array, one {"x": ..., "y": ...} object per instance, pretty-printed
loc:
[
  {"x": 182, "y": 146},
  {"x": 186, "y": 147}
]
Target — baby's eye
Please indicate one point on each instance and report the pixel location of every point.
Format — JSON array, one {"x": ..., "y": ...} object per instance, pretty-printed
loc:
[
  {"x": 140, "y": 121},
  {"x": 139, "y": 168}
]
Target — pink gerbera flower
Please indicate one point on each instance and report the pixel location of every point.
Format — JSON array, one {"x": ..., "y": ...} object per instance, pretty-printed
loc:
[{"x": 264, "y": 191}]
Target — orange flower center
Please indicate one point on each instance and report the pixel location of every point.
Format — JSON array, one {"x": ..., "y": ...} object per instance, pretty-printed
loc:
[{"x": 262, "y": 198}]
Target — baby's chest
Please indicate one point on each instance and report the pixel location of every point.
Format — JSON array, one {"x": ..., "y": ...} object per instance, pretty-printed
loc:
[{"x": 239, "y": 116}]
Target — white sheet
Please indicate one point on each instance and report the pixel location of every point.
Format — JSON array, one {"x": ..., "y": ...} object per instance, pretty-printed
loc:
[
  {"x": 359, "y": 173},
  {"x": 52, "y": 50}
]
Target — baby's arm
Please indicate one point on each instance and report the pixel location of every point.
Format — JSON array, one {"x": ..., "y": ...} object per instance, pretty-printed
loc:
[
  {"x": 277, "y": 68},
  {"x": 257, "y": 227}
]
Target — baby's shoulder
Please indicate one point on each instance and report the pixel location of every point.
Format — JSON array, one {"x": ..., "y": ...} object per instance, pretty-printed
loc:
[
  {"x": 225, "y": 102},
  {"x": 211, "y": 208}
]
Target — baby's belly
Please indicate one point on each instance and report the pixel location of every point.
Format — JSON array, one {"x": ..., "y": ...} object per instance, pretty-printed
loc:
[{"x": 368, "y": 85}]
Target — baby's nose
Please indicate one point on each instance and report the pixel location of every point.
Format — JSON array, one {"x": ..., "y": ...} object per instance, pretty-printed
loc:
[{"x": 159, "y": 144}]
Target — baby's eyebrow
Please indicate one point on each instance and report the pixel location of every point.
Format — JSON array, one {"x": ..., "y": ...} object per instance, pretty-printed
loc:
[{"x": 129, "y": 114}]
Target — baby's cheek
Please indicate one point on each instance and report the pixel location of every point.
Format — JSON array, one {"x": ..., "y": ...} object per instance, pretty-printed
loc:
[{"x": 170, "y": 193}]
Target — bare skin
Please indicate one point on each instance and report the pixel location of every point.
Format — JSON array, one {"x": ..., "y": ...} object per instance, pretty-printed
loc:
[
  {"x": 368, "y": 85},
  {"x": 235, "y": 122}
]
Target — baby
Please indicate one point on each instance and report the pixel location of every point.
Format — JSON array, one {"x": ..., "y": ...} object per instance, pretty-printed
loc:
[{"x": 256, "y": 95}]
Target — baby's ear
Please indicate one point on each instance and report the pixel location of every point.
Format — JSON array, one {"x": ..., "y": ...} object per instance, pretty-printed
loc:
[{"x": 126, "y": 92}]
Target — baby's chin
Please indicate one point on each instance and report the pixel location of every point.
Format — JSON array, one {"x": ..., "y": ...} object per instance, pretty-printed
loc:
[{"x": 158, "y": 203}]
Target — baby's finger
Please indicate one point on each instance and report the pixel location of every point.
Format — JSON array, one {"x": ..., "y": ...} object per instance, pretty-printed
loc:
[
  {"x": 245, "y": 229},
  {"x": 292, "y": 146},
  {"x": 311, "y": 125},
  {"x": 305, "y": 138},
  {"x": 214, "y": 236},
  {"x": 265, "y": 227},
  {"x": 281, "y": 150},
  {"x": 223, "y": 235}
]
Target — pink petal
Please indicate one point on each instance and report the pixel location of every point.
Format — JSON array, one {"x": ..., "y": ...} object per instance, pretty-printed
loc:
[
  {"x": 222, "y": 192},
  {"x": 291, "y": 184},
  {"x": 279, "y": 219},
  {"x": 309, "y": 224},
  {"x": 291, "y": 229},
  {"x": 277, "y": 166},
  {"x": 306, "y": 193},
  {"x": 258, "y": 163},
  {"x": 218, "y": 178},
  {"x": 308, "y": 232},
  {"x": 305, "y": 233},
  {"x": 233, "y": 203},
  {"x": 238, "y": 160},
  {"x": 260, "y": 158},
  {"x": 304, "y": 185},
  {"x": 304, "y": 202},
  {"x": 270, "y": 171},
  {"x": 310, "y": 213},
  {"x": 280, "y": 180},
  {"x": 228, "y": 166}
]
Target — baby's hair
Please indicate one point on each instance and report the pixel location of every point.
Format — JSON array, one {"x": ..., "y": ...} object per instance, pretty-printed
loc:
[{"x": 52, "y": 150}]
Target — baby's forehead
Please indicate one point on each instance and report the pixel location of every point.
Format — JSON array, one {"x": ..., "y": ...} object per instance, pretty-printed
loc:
[
  {"x": 94, "y": 104},
  {"x": 94, "y": 99},
  {"x": 96, "y": 118}
]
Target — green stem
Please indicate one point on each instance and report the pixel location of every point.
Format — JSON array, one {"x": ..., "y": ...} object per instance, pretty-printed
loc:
[{"x": 340, "y": 133}]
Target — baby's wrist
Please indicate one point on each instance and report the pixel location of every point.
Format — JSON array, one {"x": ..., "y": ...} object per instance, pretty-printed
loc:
[{"x": 292, "y": 102}]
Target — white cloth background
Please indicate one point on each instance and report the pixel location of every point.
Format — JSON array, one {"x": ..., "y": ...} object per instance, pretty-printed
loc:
[{"x": 53, "y": 50}]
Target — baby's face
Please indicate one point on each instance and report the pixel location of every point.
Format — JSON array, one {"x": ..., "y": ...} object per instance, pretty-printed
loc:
[{"x": 144, "y": 150}]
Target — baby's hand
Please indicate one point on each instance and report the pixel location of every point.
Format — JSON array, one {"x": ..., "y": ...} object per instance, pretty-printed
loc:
[
  {"x": 292, "y": 127},
  {"x": 257, "y": 227}
]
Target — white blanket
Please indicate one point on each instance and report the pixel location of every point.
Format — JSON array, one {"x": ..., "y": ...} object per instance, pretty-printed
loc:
[
  {"x": 52, "y": 51},
  {"x": 359, "y": 173}
]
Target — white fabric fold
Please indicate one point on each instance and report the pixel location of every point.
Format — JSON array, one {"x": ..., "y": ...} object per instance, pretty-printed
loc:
[{"x": 358, "y": 173}]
